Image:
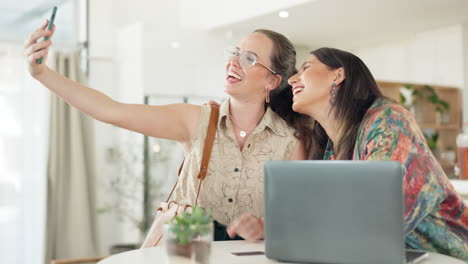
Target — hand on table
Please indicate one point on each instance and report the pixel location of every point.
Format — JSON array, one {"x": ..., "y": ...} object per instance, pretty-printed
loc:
[{"x": 247, "y": 226}]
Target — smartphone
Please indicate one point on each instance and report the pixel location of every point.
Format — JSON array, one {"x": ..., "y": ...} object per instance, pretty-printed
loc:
[
  {"x": 248, "y": 253},
  {"x": 49, "y": 27},
  {"x": 414, "y": 257}
]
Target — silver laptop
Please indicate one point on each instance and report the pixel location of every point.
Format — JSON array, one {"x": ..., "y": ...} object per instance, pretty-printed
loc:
[{"x": 334, "y": 212}]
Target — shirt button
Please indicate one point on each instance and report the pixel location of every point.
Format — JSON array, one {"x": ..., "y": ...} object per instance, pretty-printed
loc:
[
  {"x": 230, "y": 200},
  {"x": 236, "y": 170}
]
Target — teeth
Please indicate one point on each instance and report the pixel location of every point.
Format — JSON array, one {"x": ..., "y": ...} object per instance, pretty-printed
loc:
[
  {"x": 232, "y": 74},
  {"x": 297, "y": 90}
]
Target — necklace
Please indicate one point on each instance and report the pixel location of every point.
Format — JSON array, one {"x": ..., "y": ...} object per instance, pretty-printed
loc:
[{"x": 243, "y": 132}]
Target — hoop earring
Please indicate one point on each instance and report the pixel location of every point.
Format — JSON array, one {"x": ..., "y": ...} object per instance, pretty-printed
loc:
[
  {"x": 267, "y": 97},
  {"x": 333, "y": 94}
]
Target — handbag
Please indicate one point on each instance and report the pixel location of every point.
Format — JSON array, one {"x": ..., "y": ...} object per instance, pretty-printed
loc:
[{"x": 168, "y": 210}]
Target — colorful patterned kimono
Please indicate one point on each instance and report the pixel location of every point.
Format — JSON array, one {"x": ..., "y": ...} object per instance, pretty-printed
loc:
[{"x": 436, "y": 219}]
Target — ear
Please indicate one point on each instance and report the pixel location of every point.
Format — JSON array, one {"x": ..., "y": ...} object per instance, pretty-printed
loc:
[
  {"x": 274, "y": 81},
  {"x": 339, "y": 76}
]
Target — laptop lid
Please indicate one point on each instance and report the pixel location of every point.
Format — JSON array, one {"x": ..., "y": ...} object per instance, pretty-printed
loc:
[{"x": 334, "y": 211}]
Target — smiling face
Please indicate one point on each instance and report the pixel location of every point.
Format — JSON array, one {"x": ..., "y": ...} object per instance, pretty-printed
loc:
[
  {"x": 251, "y": 83},
  {"x": 311, "y": 86}
]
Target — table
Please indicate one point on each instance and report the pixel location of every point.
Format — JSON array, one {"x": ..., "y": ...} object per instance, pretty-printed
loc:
[
  {"x": 461, "y": 186},
  {"x": 221, "y": 253}
]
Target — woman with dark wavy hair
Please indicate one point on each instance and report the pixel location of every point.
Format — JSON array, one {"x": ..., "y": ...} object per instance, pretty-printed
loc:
[{"x": 355, "y": 121}]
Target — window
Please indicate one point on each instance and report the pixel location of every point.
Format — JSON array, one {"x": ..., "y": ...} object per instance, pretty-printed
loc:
[{"x": 23, "y": 160}]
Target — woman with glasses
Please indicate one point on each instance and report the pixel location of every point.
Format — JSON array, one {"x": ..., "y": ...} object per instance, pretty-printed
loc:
[
  {"x": 255, "y": 124},
  {"x": 354, "y": 121}
]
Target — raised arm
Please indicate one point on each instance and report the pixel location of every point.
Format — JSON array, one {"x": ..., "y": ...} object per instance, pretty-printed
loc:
[{"x": 176, "y": 122}]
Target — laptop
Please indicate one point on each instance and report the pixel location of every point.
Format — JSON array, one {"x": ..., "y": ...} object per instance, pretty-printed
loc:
[{"x": 334, "y": 212}]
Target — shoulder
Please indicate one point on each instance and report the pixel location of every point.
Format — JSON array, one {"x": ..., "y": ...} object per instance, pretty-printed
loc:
[
  {"x": 278, "y": 125},
  {"x": 387, "y": 116},
  {"x": 198, "y": 124},
  {"x": 387, "y": 125},
  {"x": 388, "y": 131}
]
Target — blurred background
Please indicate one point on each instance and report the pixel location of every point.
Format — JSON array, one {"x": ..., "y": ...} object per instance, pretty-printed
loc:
[{"x": 73, "y": 187}]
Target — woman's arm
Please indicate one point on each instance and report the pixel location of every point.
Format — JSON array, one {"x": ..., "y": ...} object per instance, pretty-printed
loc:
[
  {"x": 176, "y": 122},
  {"x": 393, "y": 137},
  {"x": 299, "y": 152}
]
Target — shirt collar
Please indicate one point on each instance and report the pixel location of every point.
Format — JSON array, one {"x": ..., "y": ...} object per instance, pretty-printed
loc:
[{"x": 271, "y": 120}]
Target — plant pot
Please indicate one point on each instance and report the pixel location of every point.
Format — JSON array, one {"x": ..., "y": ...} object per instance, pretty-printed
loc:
[
  {"x": 197, "y": 251},
  {"x": 442, "y": 118},
  {"x": 174, "y": 249},
  {"x": 194, "y": 252},
  {"x": 422, "y": 112}
]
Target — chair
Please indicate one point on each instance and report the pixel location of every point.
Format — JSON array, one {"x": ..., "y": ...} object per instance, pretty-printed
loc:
[{"x": 80, "y": 260}]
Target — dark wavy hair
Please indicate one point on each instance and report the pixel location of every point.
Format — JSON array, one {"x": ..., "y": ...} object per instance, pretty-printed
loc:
[
  {"x": 354, "y": 97},
  {"x": 283, "y": 61}
]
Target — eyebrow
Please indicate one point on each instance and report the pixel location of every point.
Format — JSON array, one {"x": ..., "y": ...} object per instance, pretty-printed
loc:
[
  {"x": 249, "y": 51},
  {"x": 254, "y": 53},
  {"x": 305, "y": 62}
]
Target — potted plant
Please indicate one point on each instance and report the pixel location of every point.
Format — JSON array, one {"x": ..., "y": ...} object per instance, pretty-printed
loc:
[
  {"x": 409, "y": 97},
  {"x": 431, "y": 140},
  {"x": 432, "y": 137},
  {"x": 190, "y": 235}
]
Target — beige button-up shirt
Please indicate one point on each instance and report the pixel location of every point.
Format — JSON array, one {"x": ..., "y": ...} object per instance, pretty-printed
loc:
[{"x": 234, "y": 182}]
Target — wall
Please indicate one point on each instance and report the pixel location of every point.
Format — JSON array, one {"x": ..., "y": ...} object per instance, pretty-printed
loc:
[
  {"x": 432, "y": 57},
  {"x": 302, "y": 53},
  {"x": 102, "y": 77}
]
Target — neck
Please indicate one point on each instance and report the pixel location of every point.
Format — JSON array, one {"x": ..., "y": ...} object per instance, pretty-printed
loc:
[
  {"x": 326, "y": 119},
  {"x": 246, "y": 114}
]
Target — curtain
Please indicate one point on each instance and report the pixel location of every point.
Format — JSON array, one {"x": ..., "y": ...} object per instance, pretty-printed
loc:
[{"x": 71, "y": 224}]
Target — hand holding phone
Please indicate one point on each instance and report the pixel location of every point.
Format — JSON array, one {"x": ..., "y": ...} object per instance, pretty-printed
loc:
[{"x": 49, "y": 27}]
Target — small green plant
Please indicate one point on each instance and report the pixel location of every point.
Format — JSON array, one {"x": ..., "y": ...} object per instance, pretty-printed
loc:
[
  {"x": 426, "y": 93},
  {"x": 431, "y": 140},
  {"x": 189, "y": 226}
]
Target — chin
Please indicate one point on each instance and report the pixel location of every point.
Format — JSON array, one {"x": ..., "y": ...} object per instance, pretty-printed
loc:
[
  {"x": 233, "y": 89},
  {"x": 296, "y": 107},
  {"x": 228, "y": 89}
]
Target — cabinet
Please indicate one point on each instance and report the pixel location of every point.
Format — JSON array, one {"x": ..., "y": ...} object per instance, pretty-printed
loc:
[{"x": 447, "y": 124}]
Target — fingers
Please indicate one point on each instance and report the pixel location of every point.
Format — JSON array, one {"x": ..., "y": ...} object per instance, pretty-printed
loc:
[
  {"x": 37, "y": 46},
  {"x": 213, "y": 103},
  {"x": 231, "y": 230},
  {"x": 38, "y": 33},
  {"x": 52, "y": 31},
  {"x": 44, "y": 24},
  {"x": 247, "y": 226},
  {"x": 40, "y": 54}
]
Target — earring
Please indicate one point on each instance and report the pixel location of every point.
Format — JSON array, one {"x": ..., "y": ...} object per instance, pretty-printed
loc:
[
  {"x": 333, "y": 94},
  {"x": 267, "y": 97}
]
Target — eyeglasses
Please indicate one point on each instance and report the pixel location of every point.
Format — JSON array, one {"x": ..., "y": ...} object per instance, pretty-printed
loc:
[{"x": 247, "y": 58}]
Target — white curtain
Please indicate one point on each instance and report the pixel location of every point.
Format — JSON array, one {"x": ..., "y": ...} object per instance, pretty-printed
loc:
[
  {"x": 70, "y": 230},
  {"x": 24, "y": 106}
]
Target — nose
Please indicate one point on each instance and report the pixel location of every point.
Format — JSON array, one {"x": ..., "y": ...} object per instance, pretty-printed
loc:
[
  {"x": 234, "y": 61},
  {"x": 292, "y": 80}
]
